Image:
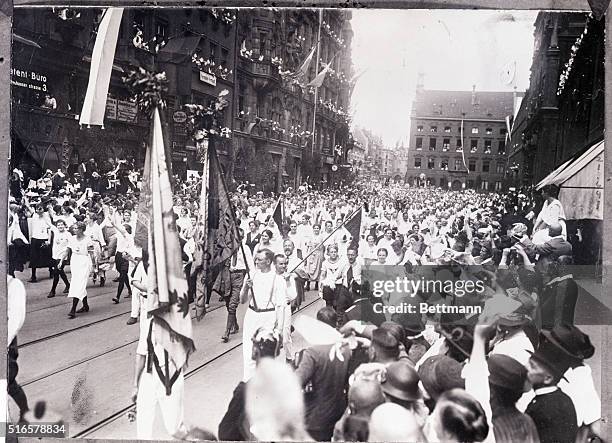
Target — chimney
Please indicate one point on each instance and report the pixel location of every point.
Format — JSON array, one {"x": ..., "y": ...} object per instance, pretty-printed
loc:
[
  {"x": 420, "y": 80},
  {"x": 473, "y": 95}
]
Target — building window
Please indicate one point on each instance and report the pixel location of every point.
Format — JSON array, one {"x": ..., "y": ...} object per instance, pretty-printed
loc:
[
  {"x": 213, "y": 52},
  {"x": 433, "y": 128},
  {"x": 161, "y": 30},
  {"x": 500, "y": 168},
  {"x": 503, "y": 131},
  {"x": 224, "y": 57},
  {"x": 444, "y": 164},
  {"x": 419, "y": 143},
  {"x": 474, "y": 130},
  {"x": 458, "y": 164},
  {"x": 487, "y": 146},
  {"x": 417, "y": 162},
  {"x": 486, "y": 165},
  {"x": 446, "y": 144},
  {"x": 473, "y": 145},
  {"x": 489, "y": 131},
  {"x": 459, "y": 147},
  {"x": 431, "y": 163},
  {"x": 432, "y": 144},
  {"x": 498, "y": 186},
  {"x": 447, "y": 129},
  {"x": 501, "y": 147},
  {"x": 419, "y": 128},
  {"x": 472, "y": 165},
  {"x": 484, "y": 185}
]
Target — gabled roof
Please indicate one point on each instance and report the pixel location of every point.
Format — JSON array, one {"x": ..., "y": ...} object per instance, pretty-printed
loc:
[{"x": 463, "y": 104}]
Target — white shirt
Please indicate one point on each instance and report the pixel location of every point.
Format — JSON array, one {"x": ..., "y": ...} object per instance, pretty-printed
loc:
[
  {"x": 16, "y": 307},
  {"x": 40, "y": 227},
  {"x": 518, "y": 347},
  {"x": 61, "y": 241}
]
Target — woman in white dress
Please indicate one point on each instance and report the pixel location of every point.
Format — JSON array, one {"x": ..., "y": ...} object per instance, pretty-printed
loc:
[
  {"x": 315, "y": 260},
  {"x": 96, "y": 248},
  {"x": 80, "y": 268},
  {"x": 268, "y": 242}
]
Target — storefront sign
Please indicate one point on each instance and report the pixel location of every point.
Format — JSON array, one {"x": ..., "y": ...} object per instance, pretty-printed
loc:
[
  {"x": 29, "y": 79},
  {"x": 208, "y": 78},
  {"x": 179, "y": 117},
  {"x": 111, "y": 108},
  {"x": 126, "y": 111}
]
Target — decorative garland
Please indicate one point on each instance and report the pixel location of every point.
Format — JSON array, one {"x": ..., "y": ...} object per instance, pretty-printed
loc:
[
  {"x": 138, "y": 42},
  {"x": 147, "y": 89},
  {"x": 211, "y": 67},
  {"x": 227, "y": 16},
  {"x": 575, "y": 48},
  {"x": 335, "y": 37},
  {"x": 204, "y": 121}
]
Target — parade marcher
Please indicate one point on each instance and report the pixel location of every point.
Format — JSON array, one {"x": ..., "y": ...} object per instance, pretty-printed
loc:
[
  {"x": 286, "y": 280},
  {"x": 40, "y": 248},
  {"x": 18, "y": 245},
  {"x": 266, "y": 305},
  {"x": 253, "y": 237},
  {"x": 351, "y": 283},
  {"x": 238, "y": 271},
  {"x": 80, "y": 268},
  {"x": 97, "y": 247},
  {"x": 295, "y": 266},
  {"x": 138, "y": 279},
  {"x": 60, "y": 241},
  {"x": 315, "y": 259},
  {"x": 330, "y": 276}
]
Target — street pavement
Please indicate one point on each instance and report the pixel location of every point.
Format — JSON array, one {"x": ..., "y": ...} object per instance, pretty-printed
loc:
[{"x": 84, "y": 367}]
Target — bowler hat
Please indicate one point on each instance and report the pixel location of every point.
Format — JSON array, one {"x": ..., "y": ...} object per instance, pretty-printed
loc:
[
  {"x": 401, "y": 381},
  {"x": 552, "y": 357},
  {"x": 506, "y": 372},
  {"x": 571, "y": 340}
]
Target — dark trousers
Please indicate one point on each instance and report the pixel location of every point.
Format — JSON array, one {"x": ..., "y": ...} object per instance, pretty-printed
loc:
[
  {"x": 330, "y": 297},
  {"x": 123, "y": 267},
  {"x": 58, "y": 271},
  {"x": 13, "y": 388},
  {"x": 345, "y": 301},
  {"x": 232, "y": 294},
  {"x": 299, "y": 287}
]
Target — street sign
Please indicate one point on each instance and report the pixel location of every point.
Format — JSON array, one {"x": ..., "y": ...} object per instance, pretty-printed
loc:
[
  {"x": 179, "y": 117},
  {"x": 208, "y": 78}
]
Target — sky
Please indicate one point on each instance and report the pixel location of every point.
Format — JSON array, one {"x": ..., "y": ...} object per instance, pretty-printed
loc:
[{"x": 453, "y": 49}]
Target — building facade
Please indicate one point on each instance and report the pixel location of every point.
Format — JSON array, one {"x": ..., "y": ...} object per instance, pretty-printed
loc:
[
  {"x": 559, "y": 119},
  {"x": 450, "y": 126},
  {"x": 203, "y": 52}
]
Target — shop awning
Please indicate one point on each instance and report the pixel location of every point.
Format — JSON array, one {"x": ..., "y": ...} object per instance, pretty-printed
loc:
[
  {"x": 179, "y": 49},
  {"x": 581, "y": 183}
]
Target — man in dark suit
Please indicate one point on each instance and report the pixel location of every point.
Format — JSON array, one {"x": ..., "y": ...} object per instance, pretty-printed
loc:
[
  {"x": 252, "y": 237},
  {"x": 552, "y": 410}
]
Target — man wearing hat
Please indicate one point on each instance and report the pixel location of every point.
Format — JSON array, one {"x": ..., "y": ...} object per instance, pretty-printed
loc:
[
  {"x": 510, "y": 338},
  {"x": 551, "y": 410}
]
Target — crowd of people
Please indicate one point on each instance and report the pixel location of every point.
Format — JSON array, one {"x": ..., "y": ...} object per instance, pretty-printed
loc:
[{"x": 516, "y": 375}]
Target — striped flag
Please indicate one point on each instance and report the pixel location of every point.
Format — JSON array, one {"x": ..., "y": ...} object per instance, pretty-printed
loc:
[
  {"x": 102, "y": 58},
  {"x": 167, "y": 286},
  {"x": 353, "y": 226},
  {"x": 317, "y": 82},
  {"x": 279, "y": 215},
  {"x": 302, "y": 71},
  {"x": 509, "y": 119}
]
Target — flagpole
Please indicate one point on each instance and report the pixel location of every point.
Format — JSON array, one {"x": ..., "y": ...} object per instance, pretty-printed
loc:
[
  {"x": 327, "y": 238},
  {"x": 316, "y": 96}
]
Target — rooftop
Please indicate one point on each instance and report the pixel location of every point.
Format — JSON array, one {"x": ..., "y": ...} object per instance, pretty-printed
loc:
[{"x": 463, "y": 104}]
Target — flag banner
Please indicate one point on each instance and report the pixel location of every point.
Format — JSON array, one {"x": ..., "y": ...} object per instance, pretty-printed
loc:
[
  {"x": 221, "y": 240},
  {"x": 94, "y": 106},
  {"x": 302, "y": 71},
  {"x": 353, "y": 81},
  {"x": 143, "y": 217},
  {"x": 278, "y": 215},
  {"x": 353, "y": 226},
  {"x": 317, "y": 82},
  {"x": 463, "y": 149},
  {"x": 509, "y": 119},
  {"x": 167, "y": 286},
  {"x": 599, "y": 7}
]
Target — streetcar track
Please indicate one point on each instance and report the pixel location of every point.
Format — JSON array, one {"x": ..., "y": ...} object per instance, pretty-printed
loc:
[
  {"x": 87, "y": 325},
  {"x": 116, "y": 415},
  {"x": 89, "y": 297}
]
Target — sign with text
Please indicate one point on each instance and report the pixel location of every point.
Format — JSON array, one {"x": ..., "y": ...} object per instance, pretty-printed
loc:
[
  {"x": 111, "y": 108},
  {"x": 33, "y": 80},
  {"x": 208, "y": 78},
  {"x": 126, "y": 111}
]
